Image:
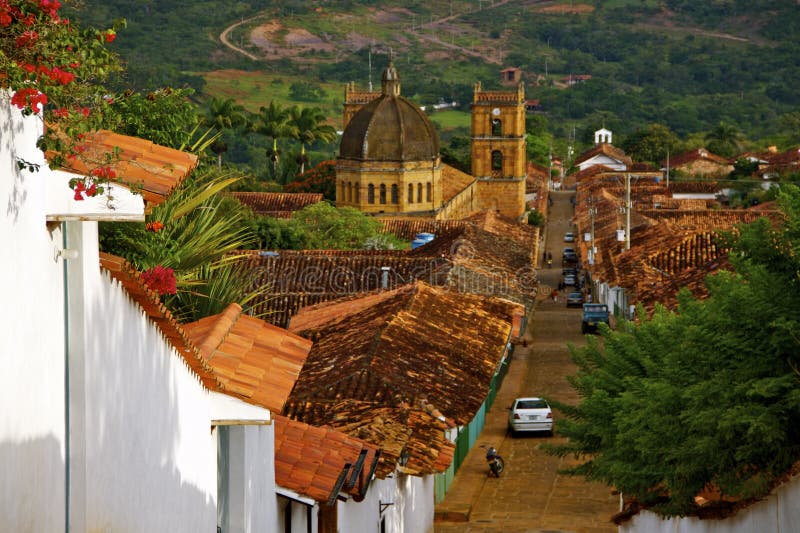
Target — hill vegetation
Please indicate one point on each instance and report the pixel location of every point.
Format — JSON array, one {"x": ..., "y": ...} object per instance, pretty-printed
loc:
[{"x": 688, "y": 66}]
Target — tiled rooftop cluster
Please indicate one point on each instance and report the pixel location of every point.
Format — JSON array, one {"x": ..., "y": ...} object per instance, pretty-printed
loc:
[
  {"x": 419, "y": 351},
  {"x": 674, "y": 241}
]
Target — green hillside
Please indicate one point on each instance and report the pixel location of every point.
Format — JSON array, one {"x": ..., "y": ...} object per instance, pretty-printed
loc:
[{"x": 684, "y": 64}]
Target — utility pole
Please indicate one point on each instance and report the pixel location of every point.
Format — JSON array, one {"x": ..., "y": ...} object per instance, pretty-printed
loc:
[
  {"x": 627, "y": 211},
  {"x": 668, "y": 168},
  {"x": 592, "y": 213}
]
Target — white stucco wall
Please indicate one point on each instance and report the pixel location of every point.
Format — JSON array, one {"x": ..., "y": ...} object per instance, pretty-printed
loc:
[
  {"x": 778, "y": 513},
  {"x": 412, "y": 510},
  {"x": 143, "y": 431},
  {"x": 32, "y": 428},
  {"x": 252, "y": 506}
]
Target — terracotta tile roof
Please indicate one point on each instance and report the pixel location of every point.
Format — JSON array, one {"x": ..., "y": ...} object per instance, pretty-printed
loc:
[
  {"x": 497, "y": 262},
  {"x": 708, "y": 219},
  {"x": 277, "y": 204},
  {"x": 606, "y": 149},
  {"x": 157, "y": 170},
  {"x": 319, "y": 463},
  {"x": 789, "y": 157},
  {"x": 395, "y": 430},
  {"x": 256, "y": 361},
  {"x": 420, "y": 344},
  {"x": 699, "y": 154},
  {"x": 302, "y": 278},
  {"x": 705, "y": 186},
  {"x": 148, "y": 300},
  {"x": 483, "y": 262},
  {"x": 408, "y": 228},
  {"x": 454, "y": 181}
]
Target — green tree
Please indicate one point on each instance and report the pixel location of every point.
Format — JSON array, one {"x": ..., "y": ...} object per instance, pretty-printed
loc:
[
  {"x": 224, "y": 114},
  {"x": 308, "y": 126},
  {"x": 165, "y": 116},
  {"x": 725, "y": 139},
  {"x": 652, "y": 143},
  {"x": 272, "y": 121},
  {"x": 343, "y": 228},
  {"x": 707, "y": 396}
]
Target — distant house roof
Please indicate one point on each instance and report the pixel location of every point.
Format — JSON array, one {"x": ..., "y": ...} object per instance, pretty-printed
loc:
[
  {"x": 277, "y": 204},
  {"x": 789, "y": 157},
  {"x": 154, "y": 170},
  {"x": 576, "y": 78},
  {"x": 255, "y": 361},
  {"x": 699, "y": 154},
  {"x": 415, "y": 345},
  {"x": 608, "y": 150},
  {"x": 320, "y": 463},
  {"x": 511, "y": 69}
]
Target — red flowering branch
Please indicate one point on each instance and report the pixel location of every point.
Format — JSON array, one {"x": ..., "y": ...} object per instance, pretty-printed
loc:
[{"x": 57, "y": 69}]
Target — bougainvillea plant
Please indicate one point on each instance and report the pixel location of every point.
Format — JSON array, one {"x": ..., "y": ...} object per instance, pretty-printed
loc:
[
  {"x": 319, "y": 179},
  {"x": 57, "y": 69},
  {"x": 160, "y": 279}
]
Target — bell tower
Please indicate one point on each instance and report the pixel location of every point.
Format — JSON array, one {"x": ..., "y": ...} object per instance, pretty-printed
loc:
[{"x": 498, "y": 149}]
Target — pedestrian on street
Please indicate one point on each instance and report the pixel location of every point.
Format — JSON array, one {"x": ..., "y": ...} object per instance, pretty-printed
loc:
[{"x": 554, "y": 294}]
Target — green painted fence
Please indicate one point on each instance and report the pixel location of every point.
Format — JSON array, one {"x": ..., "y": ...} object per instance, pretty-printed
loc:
[{"x": 468, "y": 435}]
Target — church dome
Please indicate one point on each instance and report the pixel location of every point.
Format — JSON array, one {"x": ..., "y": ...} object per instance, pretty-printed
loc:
[{"x": 390, "y": 128}]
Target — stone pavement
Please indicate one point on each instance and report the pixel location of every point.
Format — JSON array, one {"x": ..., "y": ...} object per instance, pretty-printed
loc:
[{"x": 531, "y": 496}]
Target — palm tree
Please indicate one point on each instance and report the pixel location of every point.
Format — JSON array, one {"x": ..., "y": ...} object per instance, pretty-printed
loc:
[
  {"x": 725, "y": 139},
  {"x": 201, "y": 231},
  {"x": 309, "y": 126},
  {"x": 273, "y": 121},
  {"x": 224, "y": 114}
]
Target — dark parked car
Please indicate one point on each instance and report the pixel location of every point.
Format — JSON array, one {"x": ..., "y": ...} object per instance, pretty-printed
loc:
[
  {"x": 569, "y": 256},
  {"x": 574, "y": 299},
  {"x": 594, "y": 314}
]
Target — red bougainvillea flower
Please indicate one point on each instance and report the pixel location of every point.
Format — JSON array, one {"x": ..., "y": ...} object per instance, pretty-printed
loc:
[
  {"x": 79, "y": 188},
  {"x": 155, "y": 227},
  {"x": 104, "y": 173},
  {"x": 160, "y": 279},
  {"x": 28, "y": 96}
]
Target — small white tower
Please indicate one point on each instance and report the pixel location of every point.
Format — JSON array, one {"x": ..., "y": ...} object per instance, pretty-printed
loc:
[{"x": 602, "y": 136}]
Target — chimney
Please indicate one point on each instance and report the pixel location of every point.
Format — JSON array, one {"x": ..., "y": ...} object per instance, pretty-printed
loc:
[{"x": 385, "y": 277}]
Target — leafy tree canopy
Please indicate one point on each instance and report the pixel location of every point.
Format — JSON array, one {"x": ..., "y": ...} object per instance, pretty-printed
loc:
[{"x": 707, "y": 396}]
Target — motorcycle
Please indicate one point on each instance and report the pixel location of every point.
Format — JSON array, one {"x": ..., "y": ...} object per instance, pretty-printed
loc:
[{"x": 496, "y": 463}]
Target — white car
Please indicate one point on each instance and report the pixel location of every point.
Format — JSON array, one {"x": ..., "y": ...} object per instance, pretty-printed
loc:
[
  {"x": 530, "y": 414},
  {"x": 569, "y": 237}
]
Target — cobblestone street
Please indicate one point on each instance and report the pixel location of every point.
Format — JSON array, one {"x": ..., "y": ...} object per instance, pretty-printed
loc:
[{"x": 531, "y": 496}]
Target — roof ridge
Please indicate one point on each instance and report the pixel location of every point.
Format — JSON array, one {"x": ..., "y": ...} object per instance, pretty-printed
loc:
[{"x": 223, "y": 323}]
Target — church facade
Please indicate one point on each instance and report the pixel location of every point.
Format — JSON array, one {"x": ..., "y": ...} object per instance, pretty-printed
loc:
[{"x": 389, "y": 162}]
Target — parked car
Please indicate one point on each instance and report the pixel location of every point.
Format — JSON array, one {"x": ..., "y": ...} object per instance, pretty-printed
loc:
[
  {"x": 569, "y": 256},
  {"x": 569, "y": 237},
  {"x": 569, "y": 270},
  {"x": 594, "y": 314},
  {"x": 530, "y": 414},
  {"x": 570, "y": 280},
  {"x": 575, "y": 299}
]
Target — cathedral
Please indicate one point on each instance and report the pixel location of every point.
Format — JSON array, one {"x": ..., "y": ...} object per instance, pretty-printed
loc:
[{"x": 389, "y": 162}]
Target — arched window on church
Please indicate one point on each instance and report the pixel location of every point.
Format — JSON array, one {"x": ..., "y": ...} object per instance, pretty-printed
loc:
[
  {"x": 497, "y": 127},
  {"x": 497, "y": 163},
  {"x": 371, "y": 193},
  {"x": 428, "y": 192},
  {"x": 383, "y": 193},
  {"x": 411, "y": 193},
  {"x": 419, "y": 193},
  {"x": 348, "y": 195},
  {"x": 395, "y": 199},
  {"x": 357, "y": 193}
]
